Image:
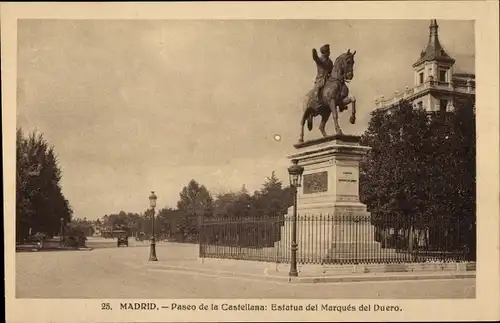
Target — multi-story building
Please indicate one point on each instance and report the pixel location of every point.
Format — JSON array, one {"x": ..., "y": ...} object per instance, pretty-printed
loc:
[{"x": 436, "y": 86}]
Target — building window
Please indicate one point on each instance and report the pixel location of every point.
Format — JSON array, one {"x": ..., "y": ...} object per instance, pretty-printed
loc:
[
  {"x": 421, "y": 78},
  {"x": 442, "y": 76},
  {"x": 443, "y": 104},
  {"x": 420, "y": 105}
]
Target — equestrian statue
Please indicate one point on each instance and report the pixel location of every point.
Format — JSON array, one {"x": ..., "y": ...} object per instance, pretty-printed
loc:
[{"x": 330, "y": 91}]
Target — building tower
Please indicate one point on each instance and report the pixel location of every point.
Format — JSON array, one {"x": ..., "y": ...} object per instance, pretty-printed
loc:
[{"x": 436, "y": 86}]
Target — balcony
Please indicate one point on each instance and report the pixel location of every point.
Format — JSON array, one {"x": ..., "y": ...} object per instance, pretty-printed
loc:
[{"x": 410, "y": 93}]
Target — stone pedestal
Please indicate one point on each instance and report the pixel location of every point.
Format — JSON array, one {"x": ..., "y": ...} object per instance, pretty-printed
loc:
[
  {"x": 331, "y": 175},
  {"x": 333, "y": 223}
]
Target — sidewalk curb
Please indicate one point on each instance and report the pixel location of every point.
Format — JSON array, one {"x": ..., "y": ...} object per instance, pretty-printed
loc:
[
  {"x": 353, "y": 279},
  {"x": 315, "y": 279},
  {"x": 54, "y": 249}
]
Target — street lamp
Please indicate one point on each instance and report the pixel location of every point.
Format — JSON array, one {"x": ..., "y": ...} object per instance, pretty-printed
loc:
[
  {"x": 152, "y": 247},
  {"x": 62, "y": 231},
  {"x": 295, "y": 172}
]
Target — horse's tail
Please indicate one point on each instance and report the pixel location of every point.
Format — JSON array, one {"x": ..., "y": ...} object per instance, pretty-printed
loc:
[{"x": 308, "y": 112}]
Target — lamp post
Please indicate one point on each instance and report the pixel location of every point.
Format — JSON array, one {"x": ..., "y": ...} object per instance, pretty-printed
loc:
[
  {"x": 62, "y": 231},
  {"x": 152, "y": 247},
  {"x": 295, "y": 172}
]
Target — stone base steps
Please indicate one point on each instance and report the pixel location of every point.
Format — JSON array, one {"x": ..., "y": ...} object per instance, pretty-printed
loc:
[{"x": 326, "y": 269}]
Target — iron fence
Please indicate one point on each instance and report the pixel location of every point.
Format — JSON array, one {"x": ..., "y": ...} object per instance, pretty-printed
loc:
[{"x": 337, "y": 239}]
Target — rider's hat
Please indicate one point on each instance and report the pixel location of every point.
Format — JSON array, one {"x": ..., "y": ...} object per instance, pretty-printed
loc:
[{"x": 325, "y": 49}]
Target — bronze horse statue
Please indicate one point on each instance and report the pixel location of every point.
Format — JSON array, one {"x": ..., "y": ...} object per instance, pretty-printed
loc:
[{"x": 333, "y": 95}]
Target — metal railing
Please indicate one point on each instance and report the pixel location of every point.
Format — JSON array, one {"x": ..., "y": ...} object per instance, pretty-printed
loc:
[
  {"x": 337, "y": 239},
  {"x": 248, "y": 238}
]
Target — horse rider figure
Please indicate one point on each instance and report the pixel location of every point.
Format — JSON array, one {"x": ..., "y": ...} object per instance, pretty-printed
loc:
[{"x": 325, "y": 66}]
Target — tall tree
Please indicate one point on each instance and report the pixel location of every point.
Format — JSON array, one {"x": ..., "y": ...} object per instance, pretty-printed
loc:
[
  {"x": 454, "y": 171},
  {"x": 195, "y": 200},
  {"x": 272, "y": 184},
  {"x": 391, "y": 173},
  {"x": 272, "y": 199},
  {"x": 40, "y": 203}
]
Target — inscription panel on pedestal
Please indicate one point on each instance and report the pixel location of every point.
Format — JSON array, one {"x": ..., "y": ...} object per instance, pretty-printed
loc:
[
  {"x": 315, "y": 183},
  {"x": 347, "y": 181}
]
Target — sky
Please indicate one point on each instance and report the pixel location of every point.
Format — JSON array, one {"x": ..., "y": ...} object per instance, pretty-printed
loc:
[{"x": 132, "y": 106}]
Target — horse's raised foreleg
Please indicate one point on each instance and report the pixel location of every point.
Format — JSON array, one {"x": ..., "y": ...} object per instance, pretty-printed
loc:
[
  {"x": 347, "y": 101},
  {"x": 335, "y": 115},
  {"x": 352, "y": 119}
]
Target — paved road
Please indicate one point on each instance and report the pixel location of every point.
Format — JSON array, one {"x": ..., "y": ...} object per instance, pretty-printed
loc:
[{"x": 120, "y": 273}]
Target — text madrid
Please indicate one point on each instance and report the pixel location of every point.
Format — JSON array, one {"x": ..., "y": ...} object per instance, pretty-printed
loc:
[{"x": 252, "y": 307}]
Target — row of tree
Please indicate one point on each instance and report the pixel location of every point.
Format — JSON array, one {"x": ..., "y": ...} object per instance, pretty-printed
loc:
[
  {"x": 40, "y": 203},
  {"x": 195, "y": 200}
]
